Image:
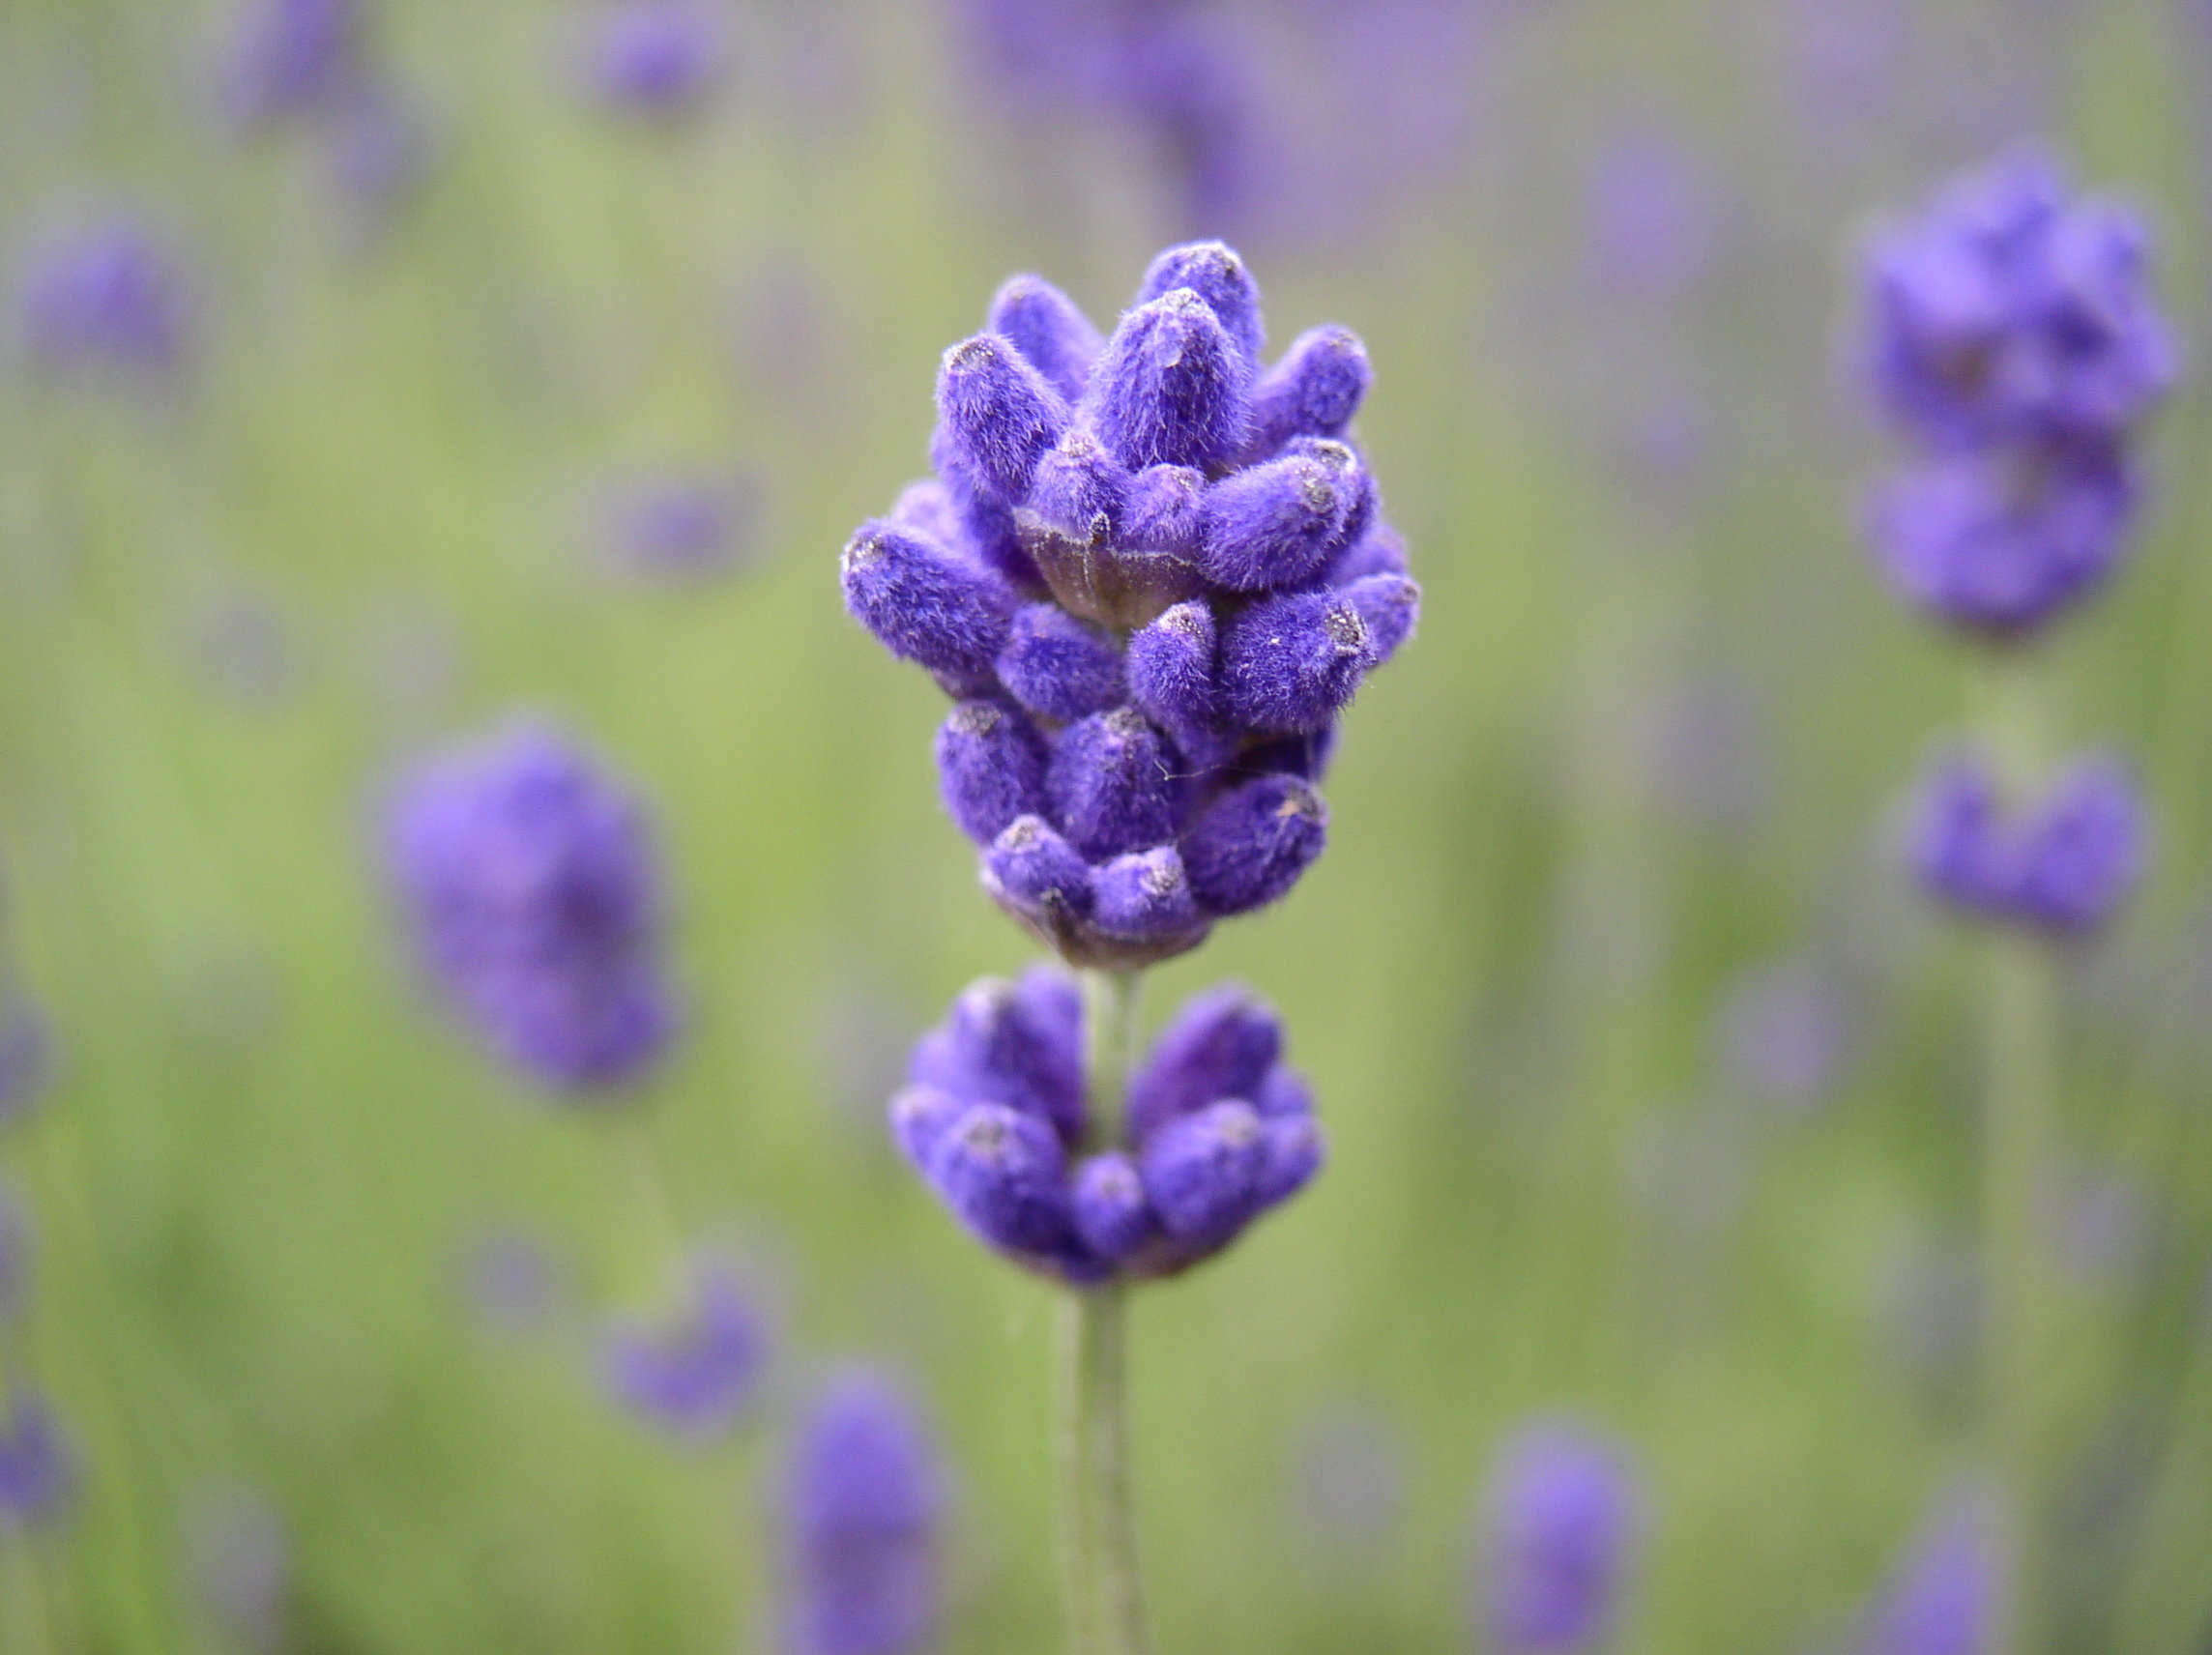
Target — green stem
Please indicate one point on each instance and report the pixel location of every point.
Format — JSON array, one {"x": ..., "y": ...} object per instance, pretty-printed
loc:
[
  {"x": 2019, "y": 1133},
  {"x": 1097, "y": 1533}
]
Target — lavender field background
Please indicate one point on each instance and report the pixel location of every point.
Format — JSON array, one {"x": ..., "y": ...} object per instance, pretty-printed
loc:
[{"x": 505, "y": 373}]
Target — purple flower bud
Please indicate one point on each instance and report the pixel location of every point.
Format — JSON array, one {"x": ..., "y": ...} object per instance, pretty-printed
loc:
[
  {"x": 656, "y": 57},
  {"x": 1313, "y": 392},
  {"x": 1560, "y": 1522},
  {"x": 697, "y": 1377},
  {"x": 1110, "y": 1215},
  {"x": 1391, "y": 607},
  {"x": 1251, "y": 845},
  {"x": 1203, "y": 1173},
  {"x": 1998, "y": 542},
  {"x": 1170, "y": 666},
  {"x": 925, "y": 603},
  {"x": 1222, "y": 1044},
  {"x": 990, "y": 768},
  {"x": 986, "y": 530},
  {"x": 1019, "y": 1043},
  {"x": 292, "y": 56},
  {"x": 1271, "y": 525},
  {"x": 1295, "y": 1150},
  {"x": 919, "y": 1115},
  {"x": 1050, "y": 330},
  {"x": 1058, "y": 667},
  {"x": 1171, "y": 388},
  {"x": 37, "y": 1471},
  {"x": 1289, "y": 663},
  {"x": 1946, "y": 1595},
  {"x": 1035, "y": 874},
  {"x": 1143, "y": 895},
  {"x": 1214, "y": 271},
  {"x": 1078, "y": 488},
  {"x": 999, "y": 413},
  {"x": 2065, "y": 866},
  {"x": 1115, "y": 785},
  {"x": 1378, "y": 551},
  {"x": 2007, "y": 310},
  {"x": 1355, "y": 494},
  {"x": 104, "y": 298},
  {"x": 1165, "y": 510},
  {"x": 1283, "y": 1092},
  {"x": 533, "y": 888},
  {"x": 1001, "y": 1173},
  {"x": 862, "y": 1498}
]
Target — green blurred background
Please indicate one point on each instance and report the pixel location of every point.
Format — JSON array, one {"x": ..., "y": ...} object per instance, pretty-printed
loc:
[{"x": 1643, "y": 753}]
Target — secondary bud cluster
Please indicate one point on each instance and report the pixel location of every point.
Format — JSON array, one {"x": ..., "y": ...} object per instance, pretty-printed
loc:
[
  {"x": 2015, "y": 343},
  {"x": 2063, "y": 863},
  {"x": 1151, "y": 574},
  {"x": 1216, "y": 1130}
]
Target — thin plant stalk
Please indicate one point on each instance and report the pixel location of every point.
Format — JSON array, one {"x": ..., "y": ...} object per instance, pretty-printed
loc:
[
  {"x": 2020, "y": 1134},
  {"x": 1097, "y": 1533}
]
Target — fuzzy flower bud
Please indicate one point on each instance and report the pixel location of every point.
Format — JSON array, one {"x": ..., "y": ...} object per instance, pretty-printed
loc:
[
  {"x": 1250, "y": 847},
  {"x": 1114, "y": 785},
  {"x": 1313, "y": 392},
  {"x": 990, "y": 768},
  {"x": 1055, "y": 337},
  {"x": 1289, "y": 663},
  {"x": 1172, "y": 387},
  {"x": 999, "y": 413},
  {"x": 1058, "y": 667},
  {"x": 925, "y": 603},
  {"x": 1214, "y": 271}
]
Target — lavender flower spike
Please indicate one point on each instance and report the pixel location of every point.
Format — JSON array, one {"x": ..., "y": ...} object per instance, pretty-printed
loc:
[
  {"x": 531, "y": 885},
  {"x": 864, "y": 1497},
  {"x": 1218, "y": 1129},
  {"x": 1946, "y": 1595},
  {"x": 1561, "y": 1520},
  {"x": 2063, "y": 866},
  {"x": 1158, "y": 562}
]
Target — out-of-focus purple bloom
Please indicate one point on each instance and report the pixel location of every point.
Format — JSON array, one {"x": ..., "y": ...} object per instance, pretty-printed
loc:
[
  {"x": 106, "y": 298},
  {"x": 294, "y": 57},
  {"x": 377, "y": 147},
  {"x": 2063, "y": 864},
  {"x": 677, "y": 529},
  {"x": 26, "y": 1055},
  {"x": 1997, "y": 542},
  {"x": 698, "y": 1376},
  {"x": 1153, "y": 575},
  {"x": 1217, "y": 1130},
  {"x": 1560, "y": 1519},
  {"x": 1947, "y": 1593},
  {"x": 2009, "y": 309},
  {"x": 656, "y": 57},
  {"x": 863, "y": 1501},
  {"x": 240, "y": 1558},
  {"x": 1651, "y": 215},
  {"x": 38, "y": 1470},
  {"x": 533, "y": 888},
  {"x": 1787, "y": 1028}
]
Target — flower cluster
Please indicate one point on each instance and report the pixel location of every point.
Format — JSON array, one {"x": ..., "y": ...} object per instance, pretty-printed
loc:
[
  {"x": 2064, "y": 864},
  {"x": 1217, "y": 1130},
  {"x": 696, "y": 1376},
  {"x": 2015, "y": 341},
  {"x": 1151, "y": 574},
  {"x": 655, "y": 58},
  {"x": 864, "y": 1495},
  {"x": 535, "y": 895},
  {"x": 1561, "y": 1520},
  {"x": 108, "y": 298}
]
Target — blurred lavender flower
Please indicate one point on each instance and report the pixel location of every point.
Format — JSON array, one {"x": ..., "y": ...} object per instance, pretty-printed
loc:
[
  {"x": 293, "y": 57},
  {"x": 655, "y": 58},
  {"x": 108, "y": 298},
  {"x": 2064, "y": 865},
  {"x": 864, "y": 1497},
  {"x": 37, "y": 1470},
  {"x": 1560, "y": 1521},
  {"x": 26, "y": 1055},
  {"x": 531, "y": 885},
  {"x": 696, "y": 1376},
  {"x": 2013, "y": 337},
  {"x": 1218, "y": 1130},
  {"x": 1787, "y": 1028},
  {"x": 1946, "y": 1594},
  {"x": 1151, "y": 574},
  {"x": 240, "y": 1561},
  {"x": 678, "y": 528},
  {"x": 1350, "y": 1482}
]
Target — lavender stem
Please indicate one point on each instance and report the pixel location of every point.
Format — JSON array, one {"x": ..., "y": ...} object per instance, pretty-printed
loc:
[
  {"x": 1105, "y": 1605},
  {"x": 2020, "y": 1127}
]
